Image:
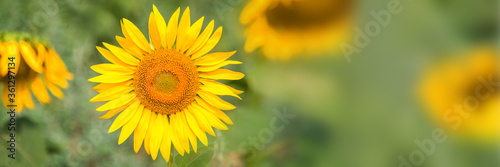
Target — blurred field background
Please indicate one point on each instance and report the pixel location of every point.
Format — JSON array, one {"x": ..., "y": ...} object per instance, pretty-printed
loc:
[{"x": 362, "y": 113}]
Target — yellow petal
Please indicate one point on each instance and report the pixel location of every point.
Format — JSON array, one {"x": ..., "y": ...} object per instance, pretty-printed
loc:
[
  {"x": 13, "y": 51},
  {"x": 130, "y": 47},
  {"x": 147, "y": 138},
  {"x": 214, "y": 100},
  {"x": 142, "y": 128},
  {"x": 60, "y": 67},
  {"x": 20, "y": 98},
  {"x": 26, "y": 96},
  {"x": 217, "y": 112},
  {"x": 201, "y": 120},
  {"x": 56, "y": 79},
  {"x": 180, "y": 129},
  {"x": 253, "y": 42},
  {"x": 162, "y": 26},
  {"x": 218, "y": 90},
  {"x": 154, "y": 35},
  {"x": 195, "y": 128},
  {"x": 252, "y": 10},
  {"x": 111, "y": 78},
  {"x": 202, "y": 39},
  {"x": 3, "y": 59},
  {"x": 54, "y": 90},
  {"x": 172, "y": 28},
  {"x": 233, "y": 90},
  {"x": 112, "y": 69},
  {"x": 187, "y": 131},
  {"x": 193, "y": 140},
  {"x": 20, "y": 106},
  {"x": 156, "y": 136},
  {"x": 125, "y": 116},
  {"x": 207, "y": 81},
  {"x": 213, "y": 58},
  {"x": 184, "y": 25},
  {"x": 110, "y": 56},
  {"x": 212, "y": 82},
  {"x": 214, "y": 121},
  {"x": 112, "y": 93},
  {"x": 114, "y": 111},
  {"x": 192, "y": 34},
  {"x": 42, "y": 53},
  {"x": 122, "y": 54},
  {"x": 176, "y": 137},
  {"x": 209, "y": 45},
  {"x": 39, "y": 90},
  {"x": 166, "y": 143},
  {"x": 105, "y": 86},
  {"x": 117, "y": 102},
  {"x": 222, "y": 74},
  {"x": 29, "y": 56},
  {"x": 125, "y": 33},
  {"x": 217, "y": 66},
  {"x": 136, "y": 35},
  {"x": 129, "y": 127}
]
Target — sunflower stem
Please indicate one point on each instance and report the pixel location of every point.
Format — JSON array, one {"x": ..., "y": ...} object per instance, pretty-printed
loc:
[{"x": 171, "y": 159}]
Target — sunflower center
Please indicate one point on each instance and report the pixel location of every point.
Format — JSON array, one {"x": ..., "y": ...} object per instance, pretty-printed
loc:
[
  {"x": 487, "y": 97},
  {"x": 303, "y": 14},
  {"x": 166, "y": 81}
]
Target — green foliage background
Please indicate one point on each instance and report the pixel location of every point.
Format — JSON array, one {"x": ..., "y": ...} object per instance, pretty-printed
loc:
[{"x": 363, "y": 113}]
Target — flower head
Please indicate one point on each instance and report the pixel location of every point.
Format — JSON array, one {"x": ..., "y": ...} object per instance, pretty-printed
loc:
[
  {"x": 462, "y": 94},
  {"x": 285, "y": 28},
  {"x": 164, "y": 90},
  {"x": 36, "y": 67}
]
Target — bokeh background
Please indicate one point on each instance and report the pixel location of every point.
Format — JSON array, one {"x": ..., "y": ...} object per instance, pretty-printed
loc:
[{"x": 364, "y": 112}]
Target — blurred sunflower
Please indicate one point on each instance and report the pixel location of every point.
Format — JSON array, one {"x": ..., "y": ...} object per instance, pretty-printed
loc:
[
  {"x": 462, "y": 94},
  {"x": 164, "y": 89},
  {"x": 284, "y": 28},
  {"x": 37, "y": 67}
]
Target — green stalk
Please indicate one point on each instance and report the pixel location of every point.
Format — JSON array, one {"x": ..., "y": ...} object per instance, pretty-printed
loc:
[{"x": 171, "y": 159}]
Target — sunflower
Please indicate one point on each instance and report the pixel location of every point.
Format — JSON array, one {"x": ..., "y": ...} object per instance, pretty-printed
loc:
[
  {"x": 37, "y": 67},
  {"x": 165, "y": 89},
  {"x": 463, "y": 94},
  {"x": 284, "y": 28}
]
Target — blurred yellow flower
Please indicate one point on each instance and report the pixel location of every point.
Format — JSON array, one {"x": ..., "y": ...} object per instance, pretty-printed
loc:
[
  {"x": 165, "y": 89},
  {"x": 463, "y": 94},
  {"x": 284, "y": 28},
  {"x": 37, "y": 67}
]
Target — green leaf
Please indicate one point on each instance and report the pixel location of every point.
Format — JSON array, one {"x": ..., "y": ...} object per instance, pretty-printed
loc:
[{"x": 201, "y": 158}]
